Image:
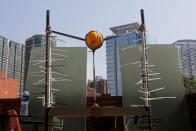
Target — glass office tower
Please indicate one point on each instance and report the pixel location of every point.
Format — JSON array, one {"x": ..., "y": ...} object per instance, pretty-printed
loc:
[
  {"x": 187, "y": 56},
  {"x": 124, "y": 35}
]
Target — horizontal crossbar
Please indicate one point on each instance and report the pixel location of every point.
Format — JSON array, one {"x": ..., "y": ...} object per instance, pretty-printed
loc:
[{"x": 102, "y": 111}]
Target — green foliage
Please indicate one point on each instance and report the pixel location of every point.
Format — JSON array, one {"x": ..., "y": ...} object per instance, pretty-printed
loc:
[{"x": 189, "y": 84}]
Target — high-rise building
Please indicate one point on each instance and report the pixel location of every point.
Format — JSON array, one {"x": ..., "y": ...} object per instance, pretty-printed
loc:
[
  {"x": 101, "y": 85},
  {"x": 4, "y": 46},
  {"x": 125, "y": 35},
  {"x": 187, "y": 56},
  {"x": 11, "y": 60},
  {"x": 36, "y": 41}
]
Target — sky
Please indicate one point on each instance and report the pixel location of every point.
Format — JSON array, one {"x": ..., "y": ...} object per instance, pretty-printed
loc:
[{"x": 167, "y": 20}]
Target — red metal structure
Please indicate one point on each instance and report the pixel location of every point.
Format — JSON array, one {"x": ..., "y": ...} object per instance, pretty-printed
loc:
[
  {"x": 8, "y": 87},
  {"x": 13, "y": 122},
  {"x": 9, "y": 113},
  {"x": 9, "y": 104}
]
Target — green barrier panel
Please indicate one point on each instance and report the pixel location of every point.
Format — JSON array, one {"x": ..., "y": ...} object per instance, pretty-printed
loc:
[
  {"x": 68, "y": 65},
  {"x": 167, "y": 114}
]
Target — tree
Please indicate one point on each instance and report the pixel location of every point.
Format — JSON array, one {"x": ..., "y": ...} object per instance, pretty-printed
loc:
[{"x": 189, "y": 84}]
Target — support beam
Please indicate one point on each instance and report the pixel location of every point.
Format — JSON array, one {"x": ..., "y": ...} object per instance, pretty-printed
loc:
[
  {"x": 67, "y": 35},
  {"x": 104, "y": 111}
]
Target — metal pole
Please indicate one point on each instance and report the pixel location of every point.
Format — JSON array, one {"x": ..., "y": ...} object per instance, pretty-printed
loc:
[
  {"x": 145, "y": 76},
  {"x": 94, "y": 81},
  {"x": 144, "y": 72},
  {"x": 144, "y": 62},
  {"x": 67, "y": 35},
  {"x": 47, "y": 72}
]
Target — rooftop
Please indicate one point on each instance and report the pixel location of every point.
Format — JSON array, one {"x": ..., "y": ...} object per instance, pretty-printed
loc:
[
  {"x": 185, "y": 40},
  {"x": 125, "y": 28}
]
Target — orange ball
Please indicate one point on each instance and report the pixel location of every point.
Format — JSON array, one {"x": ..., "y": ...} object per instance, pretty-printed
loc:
[{"x": 94, "y": 40}]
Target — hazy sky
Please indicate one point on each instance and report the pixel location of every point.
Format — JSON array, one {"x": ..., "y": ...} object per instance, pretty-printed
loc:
[{"x": 166, "y": 20}]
